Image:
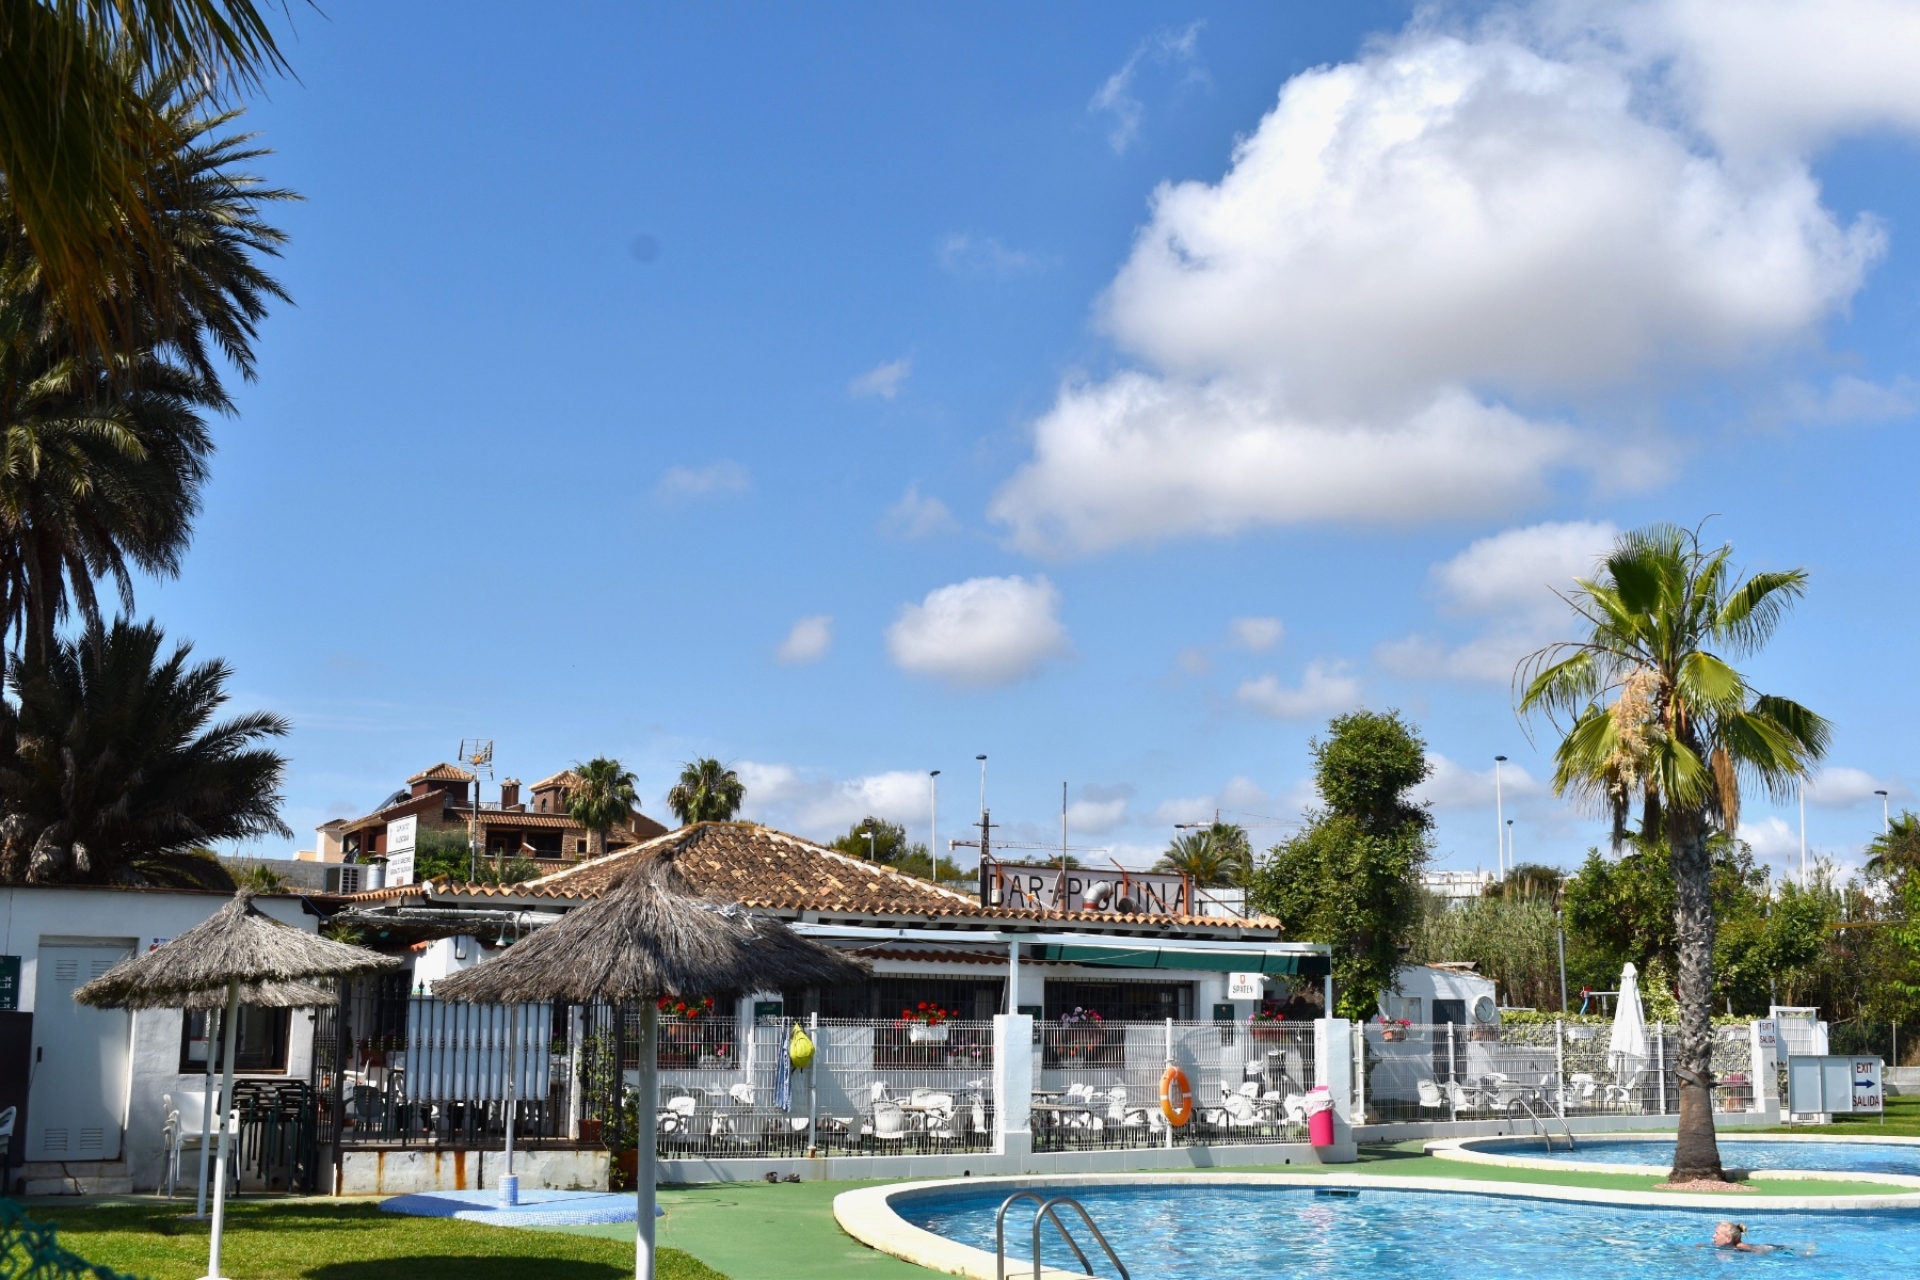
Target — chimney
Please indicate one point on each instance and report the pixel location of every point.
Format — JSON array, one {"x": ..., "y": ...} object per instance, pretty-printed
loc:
[{"x": 510, "y": 794}]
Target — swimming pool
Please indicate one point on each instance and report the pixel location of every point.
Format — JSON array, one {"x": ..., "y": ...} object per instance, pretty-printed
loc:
[
  {"x": 1229, "y": 1232},
  {"x": 1738, "y": 1153}
]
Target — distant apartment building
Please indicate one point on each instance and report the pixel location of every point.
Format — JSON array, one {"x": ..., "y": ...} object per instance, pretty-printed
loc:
[{"x": 442, "y": 799}]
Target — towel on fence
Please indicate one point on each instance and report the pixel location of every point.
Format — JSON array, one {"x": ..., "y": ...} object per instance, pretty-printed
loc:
[{"x": 783, "y": 1083}]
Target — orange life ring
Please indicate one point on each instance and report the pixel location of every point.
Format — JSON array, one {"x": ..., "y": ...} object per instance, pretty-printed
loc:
[{"x": 1176, "y": 1096}]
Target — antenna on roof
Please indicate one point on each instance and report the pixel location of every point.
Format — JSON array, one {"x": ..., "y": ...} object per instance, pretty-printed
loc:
[{"x": 478, "y": 754}]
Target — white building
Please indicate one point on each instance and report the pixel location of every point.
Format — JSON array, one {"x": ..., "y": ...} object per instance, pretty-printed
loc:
[{"x": 88, "y": 1082}]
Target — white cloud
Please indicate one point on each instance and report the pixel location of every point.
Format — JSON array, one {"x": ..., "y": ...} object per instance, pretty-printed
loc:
[
  {"x": 1763, "y": 77},
  {"x": 1455, "y": 786},
  {"x": 1194, "y": 661},
  {"x": 1847, "y": 399},
  {"x": 1256, "y": 634},
  {"x": 1843, "y": 787},
  {"x": 699, "y": 482},
  {"x": 1096, "y": 817},
  {"x": 964, "y": 254},
  {"x": 1139, "y": 458},
  {"x": 813, "y": 804},
  {"x": 981, "y": 632},
  {"x": 918, "y": 515},
  {"x": 1325, "y": 689},
  {"x": 1236, "y": 801},
  {"x": 1117, "y": 98},
  {"x": 1772, "y": 839},
  {"x": 883, "y": 380},
  {"x": 1408, "y": 250},
  {"x": 809, "y": 640},
  {"x": 1506, "y": 583}
]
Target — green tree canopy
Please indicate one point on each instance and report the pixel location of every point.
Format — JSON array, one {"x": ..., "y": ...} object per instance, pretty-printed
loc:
[
  {"x": 892, "y": 848},
  {"x": 707, "y": 791},
  {"x": 1214, "y": 855},
  {"x": 603, "y": 798},
  {"x": 1351, "y": 878},
  {"x": 113, "y": 769}
]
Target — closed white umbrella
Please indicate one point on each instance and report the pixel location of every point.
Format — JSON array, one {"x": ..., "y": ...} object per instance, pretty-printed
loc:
[{"x": 1627, "y": 1046}]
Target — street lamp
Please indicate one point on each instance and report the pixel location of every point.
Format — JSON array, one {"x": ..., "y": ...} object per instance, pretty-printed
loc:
[
  {"x": 1499, "y": 825},
  {"x": 1886, "y": 822},
  {"x": 868, "y": 833},
  {"x": 1510, "y": 858},
  {"x": 933, "y": 821}
]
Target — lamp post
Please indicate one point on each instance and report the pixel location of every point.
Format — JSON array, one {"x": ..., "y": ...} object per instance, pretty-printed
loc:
[
  {"x": 1510, "y": 860},
  {"x": 933, "y": 821},
  {"x": 1499, "y": 823},
  {"x": 1886, "y": 820},
  {"x": 1560, "y": 936},
  {"x": 868, "y": 833},
  {"x": 1803, "y": 834}
]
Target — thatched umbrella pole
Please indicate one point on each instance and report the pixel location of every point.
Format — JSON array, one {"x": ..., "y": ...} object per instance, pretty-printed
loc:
[
  {"x": 230, "y": 1023},
  {"x": 646, "y": 939}
]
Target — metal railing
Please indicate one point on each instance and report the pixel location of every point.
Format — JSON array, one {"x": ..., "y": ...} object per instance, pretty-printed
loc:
[
  {"x": 1047, "y": 1213},
  {"x": 1098, "y": 1086},
  {"x": 1454, "y": 1071}
]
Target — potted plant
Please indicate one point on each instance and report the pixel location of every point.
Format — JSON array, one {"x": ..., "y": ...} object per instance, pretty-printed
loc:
[
  {"x": 680, "y": 1030},
  {"x": 926, "y": 1023},
  {"x": 1267, "y": 1024},
  {"x": 1393, "y": 1029}
]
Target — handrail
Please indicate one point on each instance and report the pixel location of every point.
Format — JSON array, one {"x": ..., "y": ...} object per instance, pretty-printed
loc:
[
  {"x": 1046, "y": 1212},
  {"x": 1526, "y": 1104}
]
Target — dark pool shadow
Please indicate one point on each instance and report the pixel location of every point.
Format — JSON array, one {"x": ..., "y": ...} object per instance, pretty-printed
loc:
[
  {"x": 467, "y": 1267},
  {"x": 1371, "y": 1154}
]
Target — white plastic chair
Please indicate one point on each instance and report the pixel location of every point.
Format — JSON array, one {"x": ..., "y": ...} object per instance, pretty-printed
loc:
[
  {"x": 889, "y": 1121},
  {"x": 1430, "y": 1096}
]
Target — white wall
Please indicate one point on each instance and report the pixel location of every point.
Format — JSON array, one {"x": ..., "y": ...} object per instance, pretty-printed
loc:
[{"x": 138, "y": 919}]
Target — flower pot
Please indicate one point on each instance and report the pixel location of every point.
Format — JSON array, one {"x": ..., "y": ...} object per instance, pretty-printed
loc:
[
  {"x": 590, "y": 1130},
  {"x": 921, "y": 1033},
  {"x": 1391, "y": 1034},
  {"x": 1269, "y": 1032}
]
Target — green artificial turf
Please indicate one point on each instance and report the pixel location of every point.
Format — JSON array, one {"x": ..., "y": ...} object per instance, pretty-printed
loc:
[
  {"x": 1901, "y": 1120},
  {"x": 337, "y": 1240}
]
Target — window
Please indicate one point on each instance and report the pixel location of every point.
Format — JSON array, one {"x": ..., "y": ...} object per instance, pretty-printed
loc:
[
  {"x": 579, "y": 846},
  {"x": 1122, "y": 1001},
  {"x": 260, "y": 1042},
  {"x": 1402, "y": 1008}
]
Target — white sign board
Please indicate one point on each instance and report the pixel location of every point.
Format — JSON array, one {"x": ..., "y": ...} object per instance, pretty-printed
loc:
[
  {"x": 1833, "y": 1084},
  {"x": 1769, "y": 1033},
  {"x": 401, "y": 835},
  {"x": 1246, "y": 986}
]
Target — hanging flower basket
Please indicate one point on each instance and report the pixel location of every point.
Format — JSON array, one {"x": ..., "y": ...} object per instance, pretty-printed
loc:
[
  {"x": 927, "y": 1023},
  {"x": 921, "y": 1033}
]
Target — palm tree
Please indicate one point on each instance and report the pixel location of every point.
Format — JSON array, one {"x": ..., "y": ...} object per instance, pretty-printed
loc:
[
  {"x": 602, "y": 798},
  {"x": 113, "y": 770},
  {"x": 101, "y": 461},
  {"x": 1656, "y": 717},
  {"x": 1896, "y": 850},
  {"x": 80, "y": 129},
  {"x": 1216, "y": 855},
  {"x": 708, "y": 791}
]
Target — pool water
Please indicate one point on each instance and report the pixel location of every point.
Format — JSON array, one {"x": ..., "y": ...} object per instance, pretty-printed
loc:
[
  {"x": 1845, "y": 1157},
  {"x": 1201, "y": 1232}
]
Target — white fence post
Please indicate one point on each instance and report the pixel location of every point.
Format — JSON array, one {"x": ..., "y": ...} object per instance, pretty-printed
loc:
[
  {"x": 1333, "y": 1067},
  {"x": 1764, "y": 1039},
  {"x": 1660, "y": 1062},
  {"x": 1013, "y": 1067},
  {"x": 1560, "y": 1067}
]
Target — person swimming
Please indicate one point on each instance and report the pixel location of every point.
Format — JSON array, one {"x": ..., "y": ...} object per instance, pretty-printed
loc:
[{"x": 1733, "y": 1235}]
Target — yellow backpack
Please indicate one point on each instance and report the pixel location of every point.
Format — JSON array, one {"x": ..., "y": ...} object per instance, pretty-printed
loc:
[{"x": 799, "y": 1049}]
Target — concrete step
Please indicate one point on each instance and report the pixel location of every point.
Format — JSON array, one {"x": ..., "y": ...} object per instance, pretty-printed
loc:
[{"x": 75, "y": 1178}]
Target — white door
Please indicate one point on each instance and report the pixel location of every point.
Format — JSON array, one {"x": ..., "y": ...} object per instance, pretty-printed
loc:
[{"x": 80, "y": 1060}]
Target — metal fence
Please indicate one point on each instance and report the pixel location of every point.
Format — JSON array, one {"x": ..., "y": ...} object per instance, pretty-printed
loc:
[
  {"x": 1098, "y": 1085},
  {"x": 1454, "y": 1071}
]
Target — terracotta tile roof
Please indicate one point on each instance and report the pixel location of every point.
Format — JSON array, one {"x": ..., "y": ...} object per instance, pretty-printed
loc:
[
  {"x": 412, "y": 804},
  {"x": 442, "y": 772},
  {"x": 771, "y": 870},
  {"x": 564, "y": 778}
]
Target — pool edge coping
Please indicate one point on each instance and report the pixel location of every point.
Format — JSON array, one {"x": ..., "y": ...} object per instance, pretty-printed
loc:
[
  {"x": 1473, "y": 1151},
  {"x": 867, "y": 1213}
]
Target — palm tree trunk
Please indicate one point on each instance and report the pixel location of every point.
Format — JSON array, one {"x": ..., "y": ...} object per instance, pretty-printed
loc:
[{"x": 1696, "y": 1153}]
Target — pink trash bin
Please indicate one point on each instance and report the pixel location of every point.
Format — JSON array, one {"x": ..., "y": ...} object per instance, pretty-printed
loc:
[{"x": 1320, "y": 1117}]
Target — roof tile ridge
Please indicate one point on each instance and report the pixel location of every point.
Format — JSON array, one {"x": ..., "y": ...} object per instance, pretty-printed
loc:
[{"x": 876, "y": 867}]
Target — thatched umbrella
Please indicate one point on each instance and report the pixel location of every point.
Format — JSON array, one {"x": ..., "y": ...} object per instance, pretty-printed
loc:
[
  {"x": 245, "y": 956},
  {"x": 649, "y": 937}
]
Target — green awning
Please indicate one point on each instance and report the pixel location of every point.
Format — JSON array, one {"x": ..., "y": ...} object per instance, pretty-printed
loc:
[{"x": 1294, "y": 964}]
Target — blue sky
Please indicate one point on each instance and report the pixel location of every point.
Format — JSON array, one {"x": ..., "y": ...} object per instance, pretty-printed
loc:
[{"x": 1116, "y": 390}]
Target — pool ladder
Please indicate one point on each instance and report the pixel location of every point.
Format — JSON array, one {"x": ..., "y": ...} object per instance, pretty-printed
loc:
[
  {"x": 1046, "y": 1213},
  {"x": 1540, "y": 1121}
]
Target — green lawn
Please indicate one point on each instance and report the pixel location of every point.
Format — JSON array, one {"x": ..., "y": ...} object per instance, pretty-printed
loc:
[
  {"x": 1902, "y": 1120},
  {"x": 338, "y": 1240}
]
